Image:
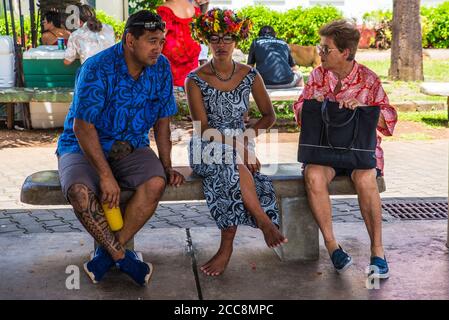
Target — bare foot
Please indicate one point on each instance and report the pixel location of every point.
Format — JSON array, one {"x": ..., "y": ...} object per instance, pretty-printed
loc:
[
  {"x": 273, "y": 237},
  {"x": 217, "y": 265}
]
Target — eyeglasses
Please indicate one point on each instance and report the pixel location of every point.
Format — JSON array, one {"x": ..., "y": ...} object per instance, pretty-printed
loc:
[
  {"x": 325, "y": 50},
  {"x": 150, "y": 26},
  {"x": 226, "y": 39}
]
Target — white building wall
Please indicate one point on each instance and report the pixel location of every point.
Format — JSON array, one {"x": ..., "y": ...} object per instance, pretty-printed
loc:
[{"x": 115, "y": 8}]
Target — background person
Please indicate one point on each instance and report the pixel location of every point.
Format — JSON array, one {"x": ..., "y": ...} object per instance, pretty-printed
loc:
[
  {"x": 53, "y": 29},
  {"x": 273, "y": 59},
  {"x": 91, "y": 38}
]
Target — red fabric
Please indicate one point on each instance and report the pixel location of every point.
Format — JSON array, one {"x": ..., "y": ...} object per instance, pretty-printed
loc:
[
  {"x": 361, "y": 84},
  {"x": 180, "y": 49}
]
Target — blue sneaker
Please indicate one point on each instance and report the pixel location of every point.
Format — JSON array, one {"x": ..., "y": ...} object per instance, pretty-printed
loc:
[
  {"x": 379, "y": 268},
  {"x": 341, "y": 260},
  {"x": 138, "y": 270},
  {"x": 99, "y": 265}
]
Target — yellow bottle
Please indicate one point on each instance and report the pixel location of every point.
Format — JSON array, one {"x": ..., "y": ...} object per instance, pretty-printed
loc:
[{"x": 113, "y": 216}]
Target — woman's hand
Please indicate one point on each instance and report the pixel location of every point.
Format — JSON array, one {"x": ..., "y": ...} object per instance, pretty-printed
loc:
[
  {"x": 248, "y": 157},
  {"x": 351, "y": 104}
]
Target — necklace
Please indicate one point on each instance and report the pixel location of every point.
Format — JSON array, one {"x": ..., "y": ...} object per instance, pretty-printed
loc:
[{"x": 218, "y": 76}]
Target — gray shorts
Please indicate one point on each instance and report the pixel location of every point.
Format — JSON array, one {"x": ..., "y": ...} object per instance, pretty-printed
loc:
[{"x": 130, "y": 172}]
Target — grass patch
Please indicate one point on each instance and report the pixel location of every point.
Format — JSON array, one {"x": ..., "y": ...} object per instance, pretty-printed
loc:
[
  {"x": 415, "y": 136},
  {"x": 434, "y": 70},
  {"x": 434, "y": 119},
  {"x": 399, "y": 91}
]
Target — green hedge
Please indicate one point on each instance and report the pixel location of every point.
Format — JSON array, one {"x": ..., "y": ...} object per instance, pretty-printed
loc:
[
  {"x": 437, "y": 28},
  {"x": 298, "y": 25},
  {"x": 434, "y": 24},
  {"x": 27, "y": 28},
  {"x": 136, "y": 5},
  {"x": 117, "y": 25}
]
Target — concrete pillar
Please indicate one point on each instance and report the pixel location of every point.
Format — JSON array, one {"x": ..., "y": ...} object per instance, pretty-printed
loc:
[{"x": 298, "y": 225}]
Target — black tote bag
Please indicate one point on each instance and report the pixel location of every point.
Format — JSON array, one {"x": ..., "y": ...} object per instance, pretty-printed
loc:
[{"x": 339, "y": 138}]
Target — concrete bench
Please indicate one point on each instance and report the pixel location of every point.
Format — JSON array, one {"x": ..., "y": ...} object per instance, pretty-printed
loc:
[
  {"x": 297, "y": 223},
  {"x": 436, "y": 89}
]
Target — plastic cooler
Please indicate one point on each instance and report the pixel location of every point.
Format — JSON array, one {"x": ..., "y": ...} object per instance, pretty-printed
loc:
[
  {"x": 7, "y": 75},
  {"x": 43, "y": 67}
]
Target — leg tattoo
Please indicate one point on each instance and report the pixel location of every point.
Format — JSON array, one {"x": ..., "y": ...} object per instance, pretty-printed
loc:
[{"x": 90, "y": 213}]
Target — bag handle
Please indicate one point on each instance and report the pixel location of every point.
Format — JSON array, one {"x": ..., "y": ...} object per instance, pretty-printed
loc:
[
  {"x": 326, "y": 119},
  {"x": 354, "y": 136}
]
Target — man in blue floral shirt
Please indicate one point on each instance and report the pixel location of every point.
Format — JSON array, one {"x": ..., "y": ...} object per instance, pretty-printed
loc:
[{"x": 120, "y": 94}]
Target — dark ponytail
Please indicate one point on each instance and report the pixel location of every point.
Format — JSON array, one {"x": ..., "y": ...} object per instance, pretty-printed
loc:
[{"x": 87, "y": 15}]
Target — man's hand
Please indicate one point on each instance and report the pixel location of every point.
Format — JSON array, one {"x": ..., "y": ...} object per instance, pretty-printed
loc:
[
  {"x": 351, "y": 104},
  {"x": 174, "y": 177},
  {"x": 110, "y": 191}
]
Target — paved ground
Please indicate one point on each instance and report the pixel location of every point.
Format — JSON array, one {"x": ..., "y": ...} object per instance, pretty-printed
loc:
[
  {"x": 41, "y": 266},
  {"x": 43, "y": 249},
  {"x": 414, "y": 170}
]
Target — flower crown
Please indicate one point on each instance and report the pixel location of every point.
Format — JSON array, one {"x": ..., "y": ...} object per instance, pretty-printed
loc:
[{"x": 220, "y": 21}]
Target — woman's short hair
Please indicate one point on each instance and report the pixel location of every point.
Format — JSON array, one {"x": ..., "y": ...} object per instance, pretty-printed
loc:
[
  {"x": 53, "y": 17},
  {"x": 344, "y": 34}
]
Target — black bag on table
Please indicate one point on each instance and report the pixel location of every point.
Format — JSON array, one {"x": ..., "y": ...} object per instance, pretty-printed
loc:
[{"x": 339, "y": 138}]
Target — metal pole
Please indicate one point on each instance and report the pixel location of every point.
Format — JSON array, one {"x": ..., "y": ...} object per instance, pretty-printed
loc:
[
  {"x": 33, "y": 24},
  {"x": 22, "y": 27},
  {"x": 13, "y": 27},
  {"x": 6, "y": 17}
]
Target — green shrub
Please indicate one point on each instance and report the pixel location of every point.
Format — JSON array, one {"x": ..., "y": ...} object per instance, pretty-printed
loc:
[
  {"x": 260, "y": 16},
  {"x": 434, "y": 25},
  {"x": 374, "y": 17},
  {"x": 298, "y": 25},
  {"x": 136, "y": 5},
  {"x": 27, "y": 29},
  {"x": 116, "y": 24},
  {"x": 437, "y": 28}
]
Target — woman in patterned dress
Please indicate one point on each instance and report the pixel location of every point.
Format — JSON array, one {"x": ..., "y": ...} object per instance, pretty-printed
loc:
[{"x": 218, "y": 96}]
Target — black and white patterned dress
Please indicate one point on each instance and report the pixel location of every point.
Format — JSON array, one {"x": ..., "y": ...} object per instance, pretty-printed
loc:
[{"x": 216, "y": 162}]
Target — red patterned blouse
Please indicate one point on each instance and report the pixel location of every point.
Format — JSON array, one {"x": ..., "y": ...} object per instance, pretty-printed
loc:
[
  {"x": 180, "y": 49},
  {"x": 361, "y": 84}
]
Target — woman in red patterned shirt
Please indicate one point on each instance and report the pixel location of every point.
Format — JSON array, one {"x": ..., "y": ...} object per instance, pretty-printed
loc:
[{"x": 340, "y": 78}]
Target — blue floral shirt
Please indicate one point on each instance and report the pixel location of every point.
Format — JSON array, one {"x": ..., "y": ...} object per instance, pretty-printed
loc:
[{"x": 120, "y": 107}]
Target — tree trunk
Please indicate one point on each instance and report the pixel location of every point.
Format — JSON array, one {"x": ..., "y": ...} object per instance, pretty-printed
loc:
[{"x": 406, "y": 48}]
